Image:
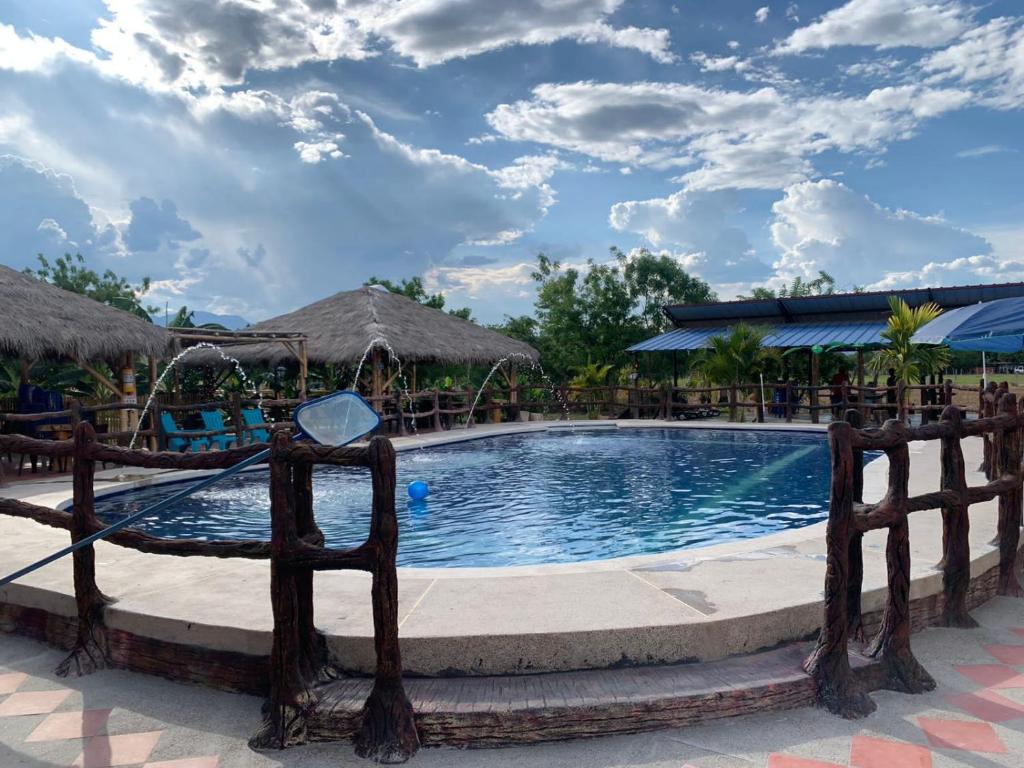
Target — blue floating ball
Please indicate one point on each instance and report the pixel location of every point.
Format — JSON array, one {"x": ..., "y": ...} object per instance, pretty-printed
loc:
[{"x": 418, "y": 490}]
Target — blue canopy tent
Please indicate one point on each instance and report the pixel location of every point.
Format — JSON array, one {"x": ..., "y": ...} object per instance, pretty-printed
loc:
[{"x": 992, "y": 326}]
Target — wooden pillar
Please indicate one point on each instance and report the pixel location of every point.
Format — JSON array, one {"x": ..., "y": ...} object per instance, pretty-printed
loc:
[
  {"x": 388, "y": 730},
  {"x": 829, "y": 663},
  {"x": 154, "y": 374},
  {"x": 129, "y": 395},
  {"x": 303, "y": 369},
  {"x": 956, "y": 548},
  {"x": 377, "y": 379},
  {"x": 1007, "y": 458},
  {"x": 813, "y": 395},
  {"x": 892, "y": 643},
  {"x": 861, "y": 400},
  {"x": 291, "y": 668},
  {"x": 513, "y": 391},
  {"x": 789, "y": 401},
  {"x": 23, "y": 369},
  {"x": 414, "y": 389},
  {"x": 855, "y": 582},
  {"x": 91, "y": 651},
  {"x": 675, "y": 368}
]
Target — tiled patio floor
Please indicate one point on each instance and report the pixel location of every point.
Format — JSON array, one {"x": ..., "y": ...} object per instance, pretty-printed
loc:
[{"x": 975, "y": 718}]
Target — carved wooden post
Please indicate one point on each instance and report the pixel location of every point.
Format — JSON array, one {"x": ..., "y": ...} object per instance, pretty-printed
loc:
[
  {"x": 855, "y": 582},
  {"x": 236, "y": 417},
  {"x": 956, "y": 549},
  {"x": 829, "y": 664},
  {"x": 90, "y": 652},
  {"x": 388, "y": 732},
  {"x": 291, "y": 668},
  {"x": 892, "y": 643},
  {"x": 399, "y": 414},
  {"x": 812, "y": 391},
  {"x": 1006, "y": 459}
]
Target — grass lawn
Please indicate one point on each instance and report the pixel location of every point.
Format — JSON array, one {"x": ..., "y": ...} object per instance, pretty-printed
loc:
[{"x": 971, "y": 380}]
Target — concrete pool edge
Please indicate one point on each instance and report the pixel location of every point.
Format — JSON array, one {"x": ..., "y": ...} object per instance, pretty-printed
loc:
[{"x": 697, "y": 604}]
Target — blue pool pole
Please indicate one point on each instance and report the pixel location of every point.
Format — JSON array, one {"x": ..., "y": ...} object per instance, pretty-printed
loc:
[
  {"x": 160, "y": 506},
  {"x": 311, "y": 406}
]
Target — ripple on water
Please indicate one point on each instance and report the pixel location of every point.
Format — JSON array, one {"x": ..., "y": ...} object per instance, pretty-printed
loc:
[{"x": 550, "y": 497}]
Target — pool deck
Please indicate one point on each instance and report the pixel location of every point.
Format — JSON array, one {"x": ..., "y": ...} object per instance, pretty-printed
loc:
[{"x": 700, "y": 604}]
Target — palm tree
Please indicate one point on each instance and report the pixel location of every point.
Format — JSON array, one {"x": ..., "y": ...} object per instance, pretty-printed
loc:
[
  {"x": 735, "y": 358},
  {"x": 910, "y": 361},
  {"x": 590, "y": 376}
]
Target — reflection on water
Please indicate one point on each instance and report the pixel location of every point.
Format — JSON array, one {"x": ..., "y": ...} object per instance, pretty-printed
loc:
[{"x": 551, "y": 497}]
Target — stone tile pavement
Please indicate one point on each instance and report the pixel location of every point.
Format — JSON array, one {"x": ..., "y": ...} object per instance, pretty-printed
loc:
[{"x": 975, "y": 718}]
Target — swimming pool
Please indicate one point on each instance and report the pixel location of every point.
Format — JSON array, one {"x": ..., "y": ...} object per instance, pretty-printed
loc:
[{"x": 558, "y": 496}]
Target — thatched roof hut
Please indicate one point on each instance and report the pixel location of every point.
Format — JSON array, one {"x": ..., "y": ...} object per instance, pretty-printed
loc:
[
  {"x": 341, "y": 327},
  {"x": 39, "y": 320}
]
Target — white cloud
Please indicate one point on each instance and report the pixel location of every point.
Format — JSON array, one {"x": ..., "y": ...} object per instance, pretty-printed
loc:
[
  {"x": 825, "y": 225},
  {"x": 987, "y": 149},
  {"x": 717, "y": 63},
  {"x": 41, "y": 211},
  {"x": 203, "y": 46},
  {"x": 990, "y": 57},
  {"x": 696, "y": 226},
  {"x": 761, "y": 139},
  {"x": 761, "y": 14},
  {"x": 34, "y": 53},
  {"x": 883, "y": 24},
  {"x": 435, "y": 31}
]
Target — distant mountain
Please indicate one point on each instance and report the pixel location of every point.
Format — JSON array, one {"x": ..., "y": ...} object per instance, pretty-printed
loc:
[{"x": 231, "y": 322}]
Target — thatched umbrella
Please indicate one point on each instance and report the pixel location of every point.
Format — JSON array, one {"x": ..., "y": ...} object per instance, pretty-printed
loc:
[
  {"x": 39, "y": 320},
  {"x": 342, "y": 327}
]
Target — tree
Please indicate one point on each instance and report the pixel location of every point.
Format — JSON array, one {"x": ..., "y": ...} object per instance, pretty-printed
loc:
[
  {"x": 910, "y": 361},
  {"x": 414, "y": 289},
  {"x": 735, "y": 358},
  {"x": 597, "y": 313},
  {"x": 654, "y": 281},
  {"x": 823, "y": 285},
  {"x": 184, "y": 318},
  {"x": 70, "y": 273}
]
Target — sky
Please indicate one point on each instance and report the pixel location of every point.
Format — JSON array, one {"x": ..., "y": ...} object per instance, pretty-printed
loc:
[{"x": 252, "y": 156}]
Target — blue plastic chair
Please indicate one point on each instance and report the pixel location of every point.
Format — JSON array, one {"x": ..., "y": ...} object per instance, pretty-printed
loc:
[
  {"x": 252, "y": 417},
  {"x": 214, "y": 422},
  {"x": 194, "y": 444}
]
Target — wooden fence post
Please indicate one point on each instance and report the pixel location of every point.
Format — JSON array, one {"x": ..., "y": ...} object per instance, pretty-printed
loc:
[
  {"x": 901, "y": 400},
  {"x": 236, "y": 417},
  {"x": 291, "y": 668},
  {"x": 789, "y": 401},
  {"x": 388, "y": 731},
  {"x": 855, "y": 582},
  {"x": 829, "y": 664},
  {"x": 1006, "y": 460},
  {"x": 956, "y": 549},
  {"x": 892, "y": 643},
  {"x": 438, "y": 426},
  {"x": 91, "y": 651}
]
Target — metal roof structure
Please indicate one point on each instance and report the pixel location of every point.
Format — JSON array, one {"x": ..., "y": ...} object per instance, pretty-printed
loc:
[
  {"x": 856, "y": 335},
  {"x": 833, "y": 308}
]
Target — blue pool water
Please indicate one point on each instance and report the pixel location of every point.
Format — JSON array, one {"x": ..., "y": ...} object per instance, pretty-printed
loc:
[{"x": 549, "y": 497}]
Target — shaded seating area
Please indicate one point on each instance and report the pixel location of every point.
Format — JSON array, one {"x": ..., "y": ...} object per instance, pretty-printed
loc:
[
  {"x": 386, "y": 335},
  {"x": 40, "y": 322},
  {"x": 179, "y": 439}
]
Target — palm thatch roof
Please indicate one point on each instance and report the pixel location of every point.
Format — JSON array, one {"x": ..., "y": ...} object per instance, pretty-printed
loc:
[
  {"x": 341, "y": 327},
  {"x": 39, "y": 320}
]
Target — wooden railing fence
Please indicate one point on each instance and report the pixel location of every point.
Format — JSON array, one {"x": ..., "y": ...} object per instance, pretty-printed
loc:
[
  {"x": 299, "y": 661},
  {"x": 849, "y": 519}
]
